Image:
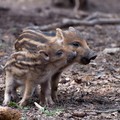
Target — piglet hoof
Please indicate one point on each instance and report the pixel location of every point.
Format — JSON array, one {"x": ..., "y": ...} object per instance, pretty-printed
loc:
[
  {"x": 46, "y": 101},
  {"x": 5, "y": 103},
  {"x": 49, "y": 102},
  {"x": 14, "y": 96},
  {"x": 22, "y": 103}
]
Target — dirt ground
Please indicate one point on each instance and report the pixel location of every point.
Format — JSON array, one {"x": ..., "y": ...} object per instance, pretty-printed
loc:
[{"x": 90, "y": 92}]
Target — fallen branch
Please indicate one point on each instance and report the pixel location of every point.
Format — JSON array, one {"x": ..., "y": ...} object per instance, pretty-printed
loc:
[
  {"x": 73, "y": 22},
  {"x": 111, "y": 50},
  {"x": 104, "y": 111}
]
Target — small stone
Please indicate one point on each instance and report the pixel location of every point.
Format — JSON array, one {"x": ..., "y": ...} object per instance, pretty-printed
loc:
[
  {"x": 67, "y": 79},
  {"x": 79, "y": 113},
  {"x": 73, "y": 83}
]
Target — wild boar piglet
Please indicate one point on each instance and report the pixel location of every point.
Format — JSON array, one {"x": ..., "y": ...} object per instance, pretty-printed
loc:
[
  {"x": 30, "y": 69},
  {"x": 72, "y": 39}
]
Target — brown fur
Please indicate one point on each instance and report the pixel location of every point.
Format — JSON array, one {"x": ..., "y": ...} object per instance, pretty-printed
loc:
[
  {"x": 30, "y": 39},
  {"x": 71, "y": 40},
  {"x": 71, "y": 37},
  {"x": 30, "y": 69}
]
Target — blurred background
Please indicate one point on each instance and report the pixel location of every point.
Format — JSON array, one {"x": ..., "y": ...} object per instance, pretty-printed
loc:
[
  {"x": 98, "y": 5},
  {"x": 37, "y": 12}
]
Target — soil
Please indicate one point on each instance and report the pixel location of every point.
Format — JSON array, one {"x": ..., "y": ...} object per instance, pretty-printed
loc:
[{"x": 90, "y": 92}]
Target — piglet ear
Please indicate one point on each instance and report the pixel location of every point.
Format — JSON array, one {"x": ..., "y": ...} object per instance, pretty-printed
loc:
[
  {"x": 44, "y": 55},
  {"x": 72, "y": 29},
  {"x": 59, "y": 34}
]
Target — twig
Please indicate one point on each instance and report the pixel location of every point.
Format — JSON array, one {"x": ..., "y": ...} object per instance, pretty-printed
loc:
[{"x": 38, "y": 106}]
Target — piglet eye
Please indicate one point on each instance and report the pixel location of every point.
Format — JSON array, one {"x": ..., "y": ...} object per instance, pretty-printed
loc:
[
  {"x": 59, "y": 52},
  {"x": 76, "y": 44}
]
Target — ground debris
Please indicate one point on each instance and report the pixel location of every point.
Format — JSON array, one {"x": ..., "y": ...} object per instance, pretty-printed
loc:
[
  {"x": 6, "y": 113},
  {"x": 79, "y": 113}
]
